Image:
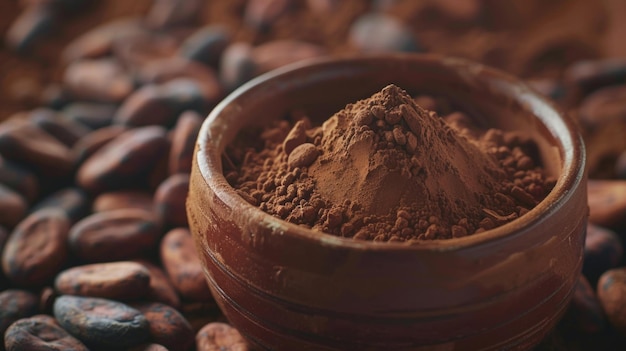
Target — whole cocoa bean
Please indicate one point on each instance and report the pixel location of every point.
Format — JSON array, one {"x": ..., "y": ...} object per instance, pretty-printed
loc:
[
  {"x": 92, "y": 115},
  {"x": 139, "y": 50},
  {"x": 124, "y": 160},
  {"x": 94, "y": 141},
  {"x": 607, "y": 105},
  {"x": 14, "y": 305},
  {"x": 101, "y": 322},
  {"x": 40, "y": 333},
  {"x": 37, "y": 248},
  {"x": 73, "y": 201},
  {"x": 64, "y": 130},
  {"x": 377, "y": 32},
  {"x": 607, "y": 203},
  {"x": 220, "y": 336},
  {"x": 603, "y": 251},
  {"x": 169, "y": 200},
  {"x": 120, "y": 199},
  {"x": 161, "y": 289},
  {"x": 99, "y": 41},
  {"x": 206, "y": 45},
  {"x": 165, "y": 13},
  {"x": 278, "y": 53},
  {"x": 586, "y": 308},
  {"x": 102, "y": 80},
  {"x": 114, "y": 235},
  {"x": 261, "y": 14},
  {"x": 181, "y": 262},
  {"x": 30, "y": 27},
  {"x": 586, "y": 76},
  {"x": 122, "y": 280},
  {"x": 612, "y": 296},
  {"x": 237, "y": 65},
  {"x": 19, "y": 179},
  {"x": 184, "y": 142},
  {"x": 30, "y": 145},
  {"x": 167, "y": 326},
  {"x": 161, "y": 104},
  {"x": 12, "y": 207}
]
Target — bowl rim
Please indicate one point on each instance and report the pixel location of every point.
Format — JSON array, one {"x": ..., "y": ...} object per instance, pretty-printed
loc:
[{"x": 564, "y": 130}]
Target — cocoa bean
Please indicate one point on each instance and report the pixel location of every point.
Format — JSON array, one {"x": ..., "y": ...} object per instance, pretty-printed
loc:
[
  {"x": 236, "y": 65},
  {"x": 170, "y": 198},
  {"x": 278, "y": 53},
  {"x": 101, "y": 322},
  {"x": 161, "y": 289},
  {"x": 30, "y": 27},
  {"x": 585, "y": 308},
  {"x": 124, "y": 160},
  {"x": 122, "y": 280},
  {"x": 183, "y": 267},
  {"x": 220, "y": 336},
  {"x": 73, "y": 201},
  {"x": 605, "y": 106},
  {"x": 37, "y": 248},
  {"x": 167, "y": 326},
  {"x": 165, "y": 13},
  {"x": 206, "y": 45},
  {"x": 114, "y": 235},
  {"x": 584, "y": 77},
  {"x": 612, "y": 295},
  {"x": 94, "y": 141},
  {"x": 121, "y": 199},
  {"x": 40, "y": 333},
  {"x": 16, "y": 304},
  {"x": 90, "y": 114},
  {"x": 603, "y": 251},
  {"x": 377, "y": 32},
  {"x": 64, "y": 130},
  {"x": 137, "y": 51},
  {"x": 607, "y": 203},
  {"x": 150, "y": 347},
  {"x": 19, "y": 179},
  {"x": 261, "y": 14},
  {"x": 12, "y": 207},
  {"x": 102, "y": 80},
  {"x": 184, "y": 142}
]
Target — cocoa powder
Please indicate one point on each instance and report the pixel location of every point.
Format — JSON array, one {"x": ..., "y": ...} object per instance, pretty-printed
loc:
[{"x": 385, "y": 169}]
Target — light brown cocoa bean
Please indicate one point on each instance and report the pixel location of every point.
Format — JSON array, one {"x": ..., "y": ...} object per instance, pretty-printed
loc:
[
  {"x": 220, "y": 337},
  {"x": 37, "y": 248},
  {"x": 607, "y": 202},
  {"x": 180, "y": 260},
  {"x": 102, "y": 80},
  {"x": 114, "y": 235},
  {"x": 123, "y": 280},
  {"x": 115, "y": 200}
]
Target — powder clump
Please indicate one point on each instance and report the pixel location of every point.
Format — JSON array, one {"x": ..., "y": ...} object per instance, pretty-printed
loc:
[{"x": 385, "y": 169}]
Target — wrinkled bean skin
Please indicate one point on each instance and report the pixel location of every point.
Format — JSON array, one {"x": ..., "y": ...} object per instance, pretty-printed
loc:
[
  {"x": 220, "y": 337},
  {"x": 101, "y": 322},
  {"x": 182, "y": 265},
  {"x": 16, "y": 304},
  {"x": 40, "y": 333},
  {"x": 167, "y": 326},
  {"x": 114, "y": 235},
  {"x": 121, "y": 280},
  {"x": 37, "y": 249}
]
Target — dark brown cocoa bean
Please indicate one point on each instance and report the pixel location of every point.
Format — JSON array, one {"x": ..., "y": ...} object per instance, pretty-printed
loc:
[
  {"x": 162, "y": 104},
  {"x": 30, "y": 27},
  {"x": 12, "y": 207},
  {"x": 586, "y": 76},
  {"x": 278, "y": 53},
  {"x": 124, "y": 160},
  {"x": 102, "y": 80},
  {"x": 14, "y": 305},
  {"x": 165, "y": 70},
  {"x": 19, "y": 179},
  {"x": 114, "y": 235},
  {"x": 612, "y": 296},
  {"x": 169, "y": 200},
  {"x": 607, "y": 203},
  {"x": 585, "y": 308},
  {"x": 607, "y": 105},
  {"x": 237, "y": 65},
  {"x": 377, "y": 32},
  {"x": 121, "y": 199},
  {"x": 184, "y": 142},
  {"x": 99, "y": 41},
  {"x": 206, "y": 45},
  {"x": 30, "y": 145},
  {"x": 167, "y": 326},
  {"x": 161, "y": 289},
  {"x": 92, "y": 115},
  {"x": 64, "y": 130},
  {"x": 166, "y": 13},
  {"x": 137, "y": 51},
  {"x": 47, "y": 295},
  {"x": 101, "y": 322},
  {"x": 92, "y": 142},
  {"x": 37, "y": 248},
  {"x": 40, "y": 333},
  {"x": 73, "y": 201},
  {"x": 123, "y": 280},
  {"x": 181, "y": 262},
  {"x": 603, "y": 251},
  {"x": 220, "y": 336}
]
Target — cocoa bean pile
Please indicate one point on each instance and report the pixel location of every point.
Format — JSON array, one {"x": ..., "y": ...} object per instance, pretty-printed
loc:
[{"x": 102, "y": 102}]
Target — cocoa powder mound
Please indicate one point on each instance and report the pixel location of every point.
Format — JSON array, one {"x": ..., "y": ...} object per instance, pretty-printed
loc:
[{"x": 385, "y": 169}]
